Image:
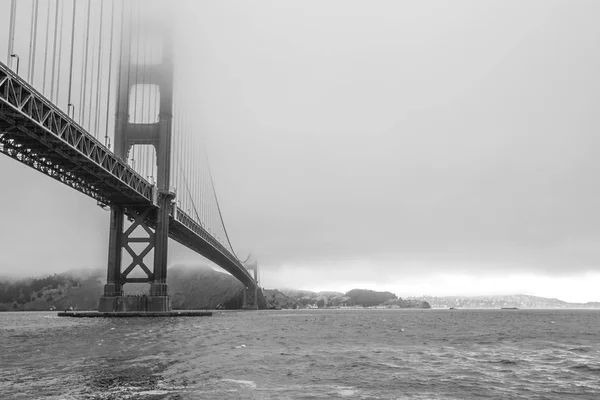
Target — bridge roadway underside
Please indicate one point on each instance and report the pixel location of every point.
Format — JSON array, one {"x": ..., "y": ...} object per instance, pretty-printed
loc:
[{"x": 38, "y": 134}]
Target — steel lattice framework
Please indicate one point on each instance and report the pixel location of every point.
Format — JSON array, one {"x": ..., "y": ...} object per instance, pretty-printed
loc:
[
  {"x": 38, "y": 134},
  {"x": 35, "y": 132}
]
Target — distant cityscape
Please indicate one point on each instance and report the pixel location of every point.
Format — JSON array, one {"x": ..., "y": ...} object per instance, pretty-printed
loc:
[{"x": 500, "y": 301}]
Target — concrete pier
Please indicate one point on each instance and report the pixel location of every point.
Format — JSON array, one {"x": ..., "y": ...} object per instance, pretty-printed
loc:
[{"x": 134, "y": 314}]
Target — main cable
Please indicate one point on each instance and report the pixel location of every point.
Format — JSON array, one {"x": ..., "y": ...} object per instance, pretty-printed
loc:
[{"x": 218, "y": 207}]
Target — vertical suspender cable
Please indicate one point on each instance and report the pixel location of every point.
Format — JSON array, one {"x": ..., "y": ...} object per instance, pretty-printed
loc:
[
  {"x": 145, "y": 119},
  {"x": 110, "y": 48},
  {"x": 46, "y": 46},
  {"x": 31, "y": 39},
  {"x": 83, "y": 91},
  {"x": 129, "y": 58},
  {"x": 200, "y": 179},
  {"x": 69, "y": 104},
  {"x": 193, "y": 165},
  {"x": 137, "y": 62},
  {"x": 89, "y": 101},
  {"x": 210, "y": 207},
  {"x": 202, "y": 194},
  {"x": 186, "y": 157},
  {"x": 35, "y": 23},
  {"x": 98, "y": 91},
  {"x": 144, "y": 153},
  {"x": 177, "y": 136},
  {"x": 11, "y": 32},
  {"x": 175, "y": 140},
  {"x": 184, "y": 149},
  {"x": 152, "y": 119},
  {"x": 52, "y": 78},
  {"x": 190, "y": 158},
  {"x": 61, "y": 23}
]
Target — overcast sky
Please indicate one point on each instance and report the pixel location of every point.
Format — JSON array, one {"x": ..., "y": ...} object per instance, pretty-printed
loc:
[{"x": 439, "y": 147}]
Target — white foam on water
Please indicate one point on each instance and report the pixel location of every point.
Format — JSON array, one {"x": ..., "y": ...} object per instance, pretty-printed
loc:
[
  {"x": 250, "y": 384},
  {"x": 153, "y": 392},
  {"x": 345, "y": 391}
]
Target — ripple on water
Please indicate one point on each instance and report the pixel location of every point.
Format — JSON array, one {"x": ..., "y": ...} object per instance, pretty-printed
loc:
[{"x": 318, "y": 354}]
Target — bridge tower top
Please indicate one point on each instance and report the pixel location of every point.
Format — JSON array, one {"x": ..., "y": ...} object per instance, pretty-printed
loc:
[{"x": 145, "y": 98}]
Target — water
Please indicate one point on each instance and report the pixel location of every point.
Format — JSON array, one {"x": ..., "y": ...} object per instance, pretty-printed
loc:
[{"x": 304, "y": 354}]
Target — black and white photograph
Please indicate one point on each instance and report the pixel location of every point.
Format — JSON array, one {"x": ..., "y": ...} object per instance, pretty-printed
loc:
[{"x": 299, "y": 199}]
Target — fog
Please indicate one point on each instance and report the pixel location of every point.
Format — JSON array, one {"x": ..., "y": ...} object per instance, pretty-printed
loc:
[{"x": 420, "y": 147}]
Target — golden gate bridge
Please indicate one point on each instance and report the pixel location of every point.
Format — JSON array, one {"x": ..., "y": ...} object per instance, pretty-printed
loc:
[{"x": 90, "y": 95}]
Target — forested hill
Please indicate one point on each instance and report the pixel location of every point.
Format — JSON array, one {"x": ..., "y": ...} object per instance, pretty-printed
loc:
[
  {"x": 291, "y": 298},
  {"x": 58, "y": 291},
  {"x": 191, "y": 287},
  {"x": 197, "y": 287}
]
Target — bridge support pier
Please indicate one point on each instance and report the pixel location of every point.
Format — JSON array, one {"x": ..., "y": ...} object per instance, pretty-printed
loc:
[
  {"x": 155, "y": 239},
  {"x": 250, "y": 299}
]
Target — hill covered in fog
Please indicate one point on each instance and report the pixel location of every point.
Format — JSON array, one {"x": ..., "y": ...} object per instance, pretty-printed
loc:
[
  {"x": 201, "y": 287},
  {"x": 198, "y": 287}
]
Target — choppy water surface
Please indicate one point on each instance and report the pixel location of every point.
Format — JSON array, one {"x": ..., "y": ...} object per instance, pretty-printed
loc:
[{"x": 302, "y": 354}]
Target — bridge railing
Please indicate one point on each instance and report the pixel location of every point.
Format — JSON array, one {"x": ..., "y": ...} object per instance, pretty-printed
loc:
[
  {"x": 23, "y": 110},
  {"x": 197, "y": 228}
]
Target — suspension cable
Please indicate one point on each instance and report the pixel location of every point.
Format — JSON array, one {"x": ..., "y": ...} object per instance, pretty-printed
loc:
[
  {"x": 46, "y": 45},
  {"x": 152, "y": 118},
  {"x": 32, "y": 33},
  {"x": 54, "y": 50},
  {"x": 98, "y": 91},
  {"x": 83, "y": 91},
  {"x": 137, "y": 62},
  {"x": 11, "y": 33},
  {"x": 37, "y": 8},
  {"x": 218, "y": 207},
  {"x": 129, "y": 58},
  {"x": 71, "y": 62},
  {"x": 144, "y": 151},
  {"x": 90, "y": 101},
  {"x": 189, "y": 196},
  {"x": 110, "y": 48},
  {"x": 62, "y": 5}
]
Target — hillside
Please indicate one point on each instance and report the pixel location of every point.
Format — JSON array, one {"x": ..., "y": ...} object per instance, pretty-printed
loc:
[
  {"x": 291, "y": 298},
  {"x": 519, "y": 301},
  {"x": 201, "y": 287},
  {"x": 197, "y": 287}
]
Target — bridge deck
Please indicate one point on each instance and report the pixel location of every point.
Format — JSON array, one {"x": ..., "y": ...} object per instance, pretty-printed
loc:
[{"x": 37, "y": 133}]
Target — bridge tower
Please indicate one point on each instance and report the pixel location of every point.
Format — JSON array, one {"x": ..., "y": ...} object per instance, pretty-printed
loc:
[
  {"x": 250, "y": 294},
  {"x": 129, "y": 131}
]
